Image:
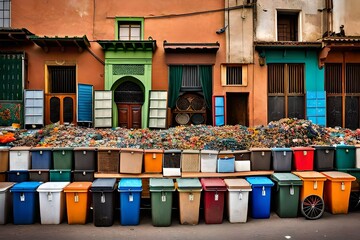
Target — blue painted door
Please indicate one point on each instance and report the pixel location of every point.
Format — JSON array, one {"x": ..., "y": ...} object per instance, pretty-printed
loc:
[{"x": 85, "y": 103}]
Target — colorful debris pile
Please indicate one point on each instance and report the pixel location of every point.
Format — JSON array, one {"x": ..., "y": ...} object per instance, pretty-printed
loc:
[{"x": 283, "y": 133}]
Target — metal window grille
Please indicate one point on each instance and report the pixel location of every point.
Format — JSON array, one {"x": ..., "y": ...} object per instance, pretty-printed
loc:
[
  {"x": 333, "y": 78},
  {"x": 62, "y": 79},
  {"x": 352, "y": 78},
  {"x": 287, "y": 26},
  {"x": 233, "y": 75},
  {"x": 191, "y": 77},
  {"x": 128, "y": 69}
]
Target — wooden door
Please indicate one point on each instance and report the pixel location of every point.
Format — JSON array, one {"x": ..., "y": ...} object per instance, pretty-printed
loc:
[{"x": 129, "y": 115}]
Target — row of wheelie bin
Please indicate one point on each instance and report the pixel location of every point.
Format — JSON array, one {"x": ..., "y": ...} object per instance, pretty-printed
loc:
[{"x": 51, "y": 201}]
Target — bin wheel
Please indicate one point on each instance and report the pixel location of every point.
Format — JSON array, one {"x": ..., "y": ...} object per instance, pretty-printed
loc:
[
  {"x": 354, "y": 201},
  {"x": 312, "y": 207}
]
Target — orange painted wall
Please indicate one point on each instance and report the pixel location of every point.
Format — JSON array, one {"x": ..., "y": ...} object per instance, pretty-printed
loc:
[{"x": 96, "y": 20}]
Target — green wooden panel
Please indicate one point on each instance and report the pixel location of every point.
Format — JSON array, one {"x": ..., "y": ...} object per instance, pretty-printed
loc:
[{"x": 11, "y": 77}]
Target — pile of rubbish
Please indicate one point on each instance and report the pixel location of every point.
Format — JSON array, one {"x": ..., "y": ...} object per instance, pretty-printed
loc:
[{"x": 286, "y": 132}]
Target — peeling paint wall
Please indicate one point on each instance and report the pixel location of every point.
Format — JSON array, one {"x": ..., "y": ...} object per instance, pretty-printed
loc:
[
  {"x": 239, "y": 34},
  {"x": 347, "y": 13},
  {"x": 311, "y": 26}
]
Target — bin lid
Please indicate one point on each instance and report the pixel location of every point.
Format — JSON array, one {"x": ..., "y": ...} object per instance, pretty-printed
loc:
[
  {"x": 205, "y": 151},
  {"x": 108, "y": 149},
  {"x": 339, "y": 176},
  {"x": 130, "y": 185},
  {"x": 161, "y": 184},
  {"x": 302, "y": 149},
  {"x": 4, "y": 148},
  {"x": 213, "y": 184},
  {"x": 25, "y": 187},
  {"x": 83, "y": 171},
  {"x": 190, "y": 151},
  {"x": 286, "y": 179},
  {"x": 4, "y": 186},
  {"x": 60, "y": 170},
  {"x": 39, "y": 170},
  {"x": 226, "y": 152},
  {"x": 153, "y": 151},
  {"x": 17, "y": 171},
  {"x": 255, "y": 149},
  {"x": 23, "y": 148},
  {"x": 134, "y": 150},
  {"x": 36, "y": 149},
  {"x": 78, "y": 187},
  {"x": 52, "y": 186},
  {"x": 84, "y": 148},
  {"x": 342, "y": 146},
  {"x": 188, "y": 184},
  {"x": 237, "y": 183},
  {"x": 103, "y": 185},
  {"x": 172, "y": 151},
  {"x": 281, "y": 149},
  {"x": 310, "y": 175},
  {"x": 62, "y": 148},
  {"x": 260, "y": 181},
  {"x": 323, "y": 147}
]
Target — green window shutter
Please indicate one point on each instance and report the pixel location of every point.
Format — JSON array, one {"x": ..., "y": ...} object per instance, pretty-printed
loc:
[{"x": 11, "y": 77}]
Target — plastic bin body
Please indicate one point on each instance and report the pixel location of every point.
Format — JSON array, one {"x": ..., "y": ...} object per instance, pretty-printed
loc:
[
  {"x": 39, "y": 175},
  {"x": 153, "y": 160},
  {"x": 18, "y": 176},
  {"x": 131, "y": 160},
  {"x": 281, "y": 159},
  {"x": 25, "y": 202},
  {"x": 303, "y": 158},
  {"x": 313, "y": 183},
  {"x": 85, "y": 158},
  {"x": 237, "y": 199},
  {"x": 345, "y": 156},
  {"x": 5, "y": 201},
  {"x": 214, "y": 194},
  {"x": 260, "y": 159},
  {"x": 324, "y": 158},
  {"x": 77, "y": 202},
  {"x": 226, "y": 162},
  {"x": 41, "y": 158},
  {"x": 161, "y": 190},
  {"x": 208, "y": 160},
  {"x": 337, "y": 191},
  {"x": 108, "y": 160},
  {"x": 63, "y": 158},
  {"x": 287, "y": 192},
  {"x": 60, "y": 175},
  {"x": 260, "y": 196},
  {"x": 4, "y": 159},
  {"x": 242, "y": 160},
  {"x": 3, "y": 176},
  {"x": 130, "y": 194},
  {"x": 83, "y": 175},
  {"x": 103, "y": 201},
  {"x": 172, "y": 162},
  {"x": 52, "y": 202},
  {"x": 189, "y": 200},
  {"x": 19, "y": 158},
  {"x": 190, "y": 161}
]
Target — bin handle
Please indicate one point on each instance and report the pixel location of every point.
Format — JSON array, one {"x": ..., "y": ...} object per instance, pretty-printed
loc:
[
  {"x": 305, "y": 153},
  {"x": 216, "y": 196},
  {"x": 292, "y": 190},
  {"x": 326, "y": 151},
  {"x": 109, "y": 152},
  {"x": 284, "y": 153},
  {"x": 315, "y": 185},
  {"x": 263, "y": 153},
  {"x": 49, "y": 196},
  {"x": 240, "y": 195},
  {"x": 342, "y": 186},
  {"x": 19, "y": 153},
  {"x": 22, "y": 197},
  {"x": 154, "y": 155},
  {"x": 163, "y": 196},
  {"x": 41, "y": 152},
  {"x": 63, "y": 152},
  {"x": 263, "y": 192},
  {"x": 76, "y": 197},
  {"x": 131, "y": 197},
  {"x": 191, "y": 197},
  {"x": 102, "y": 200},
  {"x": 84, "y": 152},
  {"x": 84, "y": 173}
]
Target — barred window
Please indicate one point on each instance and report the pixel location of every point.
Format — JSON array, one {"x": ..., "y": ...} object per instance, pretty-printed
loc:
[{"x": 5, "y": 13}]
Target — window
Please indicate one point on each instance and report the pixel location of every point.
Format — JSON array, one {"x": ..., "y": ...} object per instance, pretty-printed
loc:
[
  {"x": 286, "y": 93},
  {"x": 287, "y": 26},
  {"x": 343, "y": 90},
  {"x": 191, "y": 78},
  {"x": 62, "y": 79},
  {"x": 234, "y": 75},
  {"x": 129, "y": 31},
  {"x": 5, "y": 13}
]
